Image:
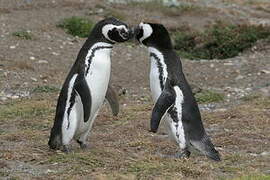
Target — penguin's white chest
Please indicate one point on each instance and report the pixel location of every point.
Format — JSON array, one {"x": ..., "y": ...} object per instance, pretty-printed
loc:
[
  {"x": 98, "y": 77},
  {"x": 158, "y": 73}
]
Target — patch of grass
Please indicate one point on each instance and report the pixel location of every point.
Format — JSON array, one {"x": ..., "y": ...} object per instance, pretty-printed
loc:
[
  {"x": 220, "y": 41},
  {"x": 45, "y": 89},
  {"x": 207, "y": 96},
  {"x": 77, "y": 26},
  {"x": 250, "y": 97},
  {"x": 23, "y": 34},
  {"x": 24, "y": 65},
  {"x": 158, "y": 6},
  {"x": 25, "y": 110},
  {"x": 78, "y": 158},
  {"x": 253, "y": 177},
  {"x": 145, "y": 169},
  {"x": 115, "y": 13}
]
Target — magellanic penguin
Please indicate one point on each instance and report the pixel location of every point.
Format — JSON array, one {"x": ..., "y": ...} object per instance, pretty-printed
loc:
[
  {"x": 85, "y": 87},
  {"x": 174, "y": 100}
]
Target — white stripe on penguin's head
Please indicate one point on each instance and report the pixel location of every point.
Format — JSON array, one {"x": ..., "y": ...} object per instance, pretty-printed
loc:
[
  {"x": 147, "y": 31},
  {"x": 121, "y": 30}
]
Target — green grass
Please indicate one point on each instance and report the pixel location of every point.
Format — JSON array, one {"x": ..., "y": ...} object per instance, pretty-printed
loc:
[
  {"x": 250, "y": 97},
  {"x": 82, "y": 158},
  {"x": 253, "y": 177},
  {"x": 77, "y": 26},
  {"x": 207, "y": 96},
  {"x": 115, "y": 13},
  {"x": 220, "y": 41},
  {"x": 25, "y": 110},
  {"x": 158, "y": 6},
  {"x": 45, "y": 89},
  {"x": 23, "y": 34}
]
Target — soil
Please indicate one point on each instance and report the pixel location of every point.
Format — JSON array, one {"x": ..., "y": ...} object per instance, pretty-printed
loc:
[{"x": 121, "y": 147}]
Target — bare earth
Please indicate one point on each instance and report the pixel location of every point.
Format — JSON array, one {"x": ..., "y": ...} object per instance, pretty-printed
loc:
[{"x": 121, "y": 147}]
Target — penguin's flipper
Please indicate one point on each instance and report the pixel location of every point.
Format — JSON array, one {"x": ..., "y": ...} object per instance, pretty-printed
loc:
[
  {"x": 112, "y": 98},
  {"x": 83, "y": 90},
  {"x": 206, "y": 147},
  {"x": 164, "y": 102}
]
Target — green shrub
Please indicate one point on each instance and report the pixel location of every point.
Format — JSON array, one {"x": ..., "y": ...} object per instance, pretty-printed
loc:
[
  {"x": 207, "y": 96},
  {"x": 77, "y": 26},
  {"x": 220, "y": 41},
  {"x": 23, "y": 34},
  {"x": 45, "y": 89}
]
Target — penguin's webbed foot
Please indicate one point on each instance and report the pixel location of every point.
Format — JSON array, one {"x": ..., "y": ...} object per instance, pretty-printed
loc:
[
  {"x": 66, "y": 149},
  {"x": 184, "y": 154},
  {"x": 82, "y": 145}
]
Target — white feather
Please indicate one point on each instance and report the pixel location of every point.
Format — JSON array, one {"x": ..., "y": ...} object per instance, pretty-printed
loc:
[
  {"x": 97, "y": 79},
  {"x": 69, "y": 125},
  {"x": 147, "y": 31},
  {"x": 154, "y": 73},
  {"x": 178, "y": 127},
  {"x": 176, "y": 130}
]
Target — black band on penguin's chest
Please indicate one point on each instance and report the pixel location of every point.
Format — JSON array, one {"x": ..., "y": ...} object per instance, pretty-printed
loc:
[
  {"x": 160, "y": 69},
  {"x": 93, "y": 55}
]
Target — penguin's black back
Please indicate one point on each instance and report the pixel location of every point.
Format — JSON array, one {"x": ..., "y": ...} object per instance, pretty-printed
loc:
[
  {"x": 190, "y": 111},
  {"x": 77, "y": 68}
]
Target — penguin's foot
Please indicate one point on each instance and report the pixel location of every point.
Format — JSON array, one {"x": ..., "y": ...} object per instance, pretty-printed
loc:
[
  {"x": 66, "y": 149},
  {"x": 82, "y": 145},
  {"x": 184, "y": 154}
]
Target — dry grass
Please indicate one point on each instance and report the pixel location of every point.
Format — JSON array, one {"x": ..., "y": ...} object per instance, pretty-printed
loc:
[
  {"x": 21, "y": 65},
  {"x": 122, "y": 147}
]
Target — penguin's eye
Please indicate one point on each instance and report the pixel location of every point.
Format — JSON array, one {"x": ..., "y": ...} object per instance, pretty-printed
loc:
[{"x": 122, "y": 31}]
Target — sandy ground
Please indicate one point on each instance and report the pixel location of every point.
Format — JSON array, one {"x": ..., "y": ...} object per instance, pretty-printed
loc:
[{"x": 121, "y": 147}]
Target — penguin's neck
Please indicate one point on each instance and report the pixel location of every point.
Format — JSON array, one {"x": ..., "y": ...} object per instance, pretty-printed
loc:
[
  {"x": 101, "y": 49},
  {"x": 158, "y": 71}
]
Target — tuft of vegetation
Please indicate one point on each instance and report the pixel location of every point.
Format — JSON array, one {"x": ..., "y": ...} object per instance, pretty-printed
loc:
[
  {"x": 220, "y": 41},
  {"x": 115, "y": 13},
  {"x": 23, "y": 34},
  {"x": 250, "y": 97},
  {"x": 159, "y": 6},
  {"x": 19, "y": 109},
  {"x": 77, "y": 26},
  {"x": 207, "y": 96},
  {"x": 253, "y": 177},
  {"x": 45, "y": 89}
]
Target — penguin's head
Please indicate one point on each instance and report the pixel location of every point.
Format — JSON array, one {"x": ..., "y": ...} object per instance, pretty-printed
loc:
[
  {"x": 153, "y": 35},
  {"x": 112, "y": 30}
]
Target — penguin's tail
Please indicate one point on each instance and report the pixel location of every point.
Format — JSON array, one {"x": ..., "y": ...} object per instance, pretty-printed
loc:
[
  {"x": 55, "y": 141},
  {"x": 206, "y": 147}
]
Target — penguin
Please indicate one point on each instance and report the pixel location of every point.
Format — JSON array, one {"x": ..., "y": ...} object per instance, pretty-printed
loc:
[
  {"x": 87, "y": 85},
  {"x": 172, "y": 95}
]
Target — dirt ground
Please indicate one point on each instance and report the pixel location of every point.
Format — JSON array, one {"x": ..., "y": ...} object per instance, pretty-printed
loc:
[{"x": 32, "y": 73}]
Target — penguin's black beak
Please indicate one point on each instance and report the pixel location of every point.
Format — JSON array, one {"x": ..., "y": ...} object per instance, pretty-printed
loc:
[
  {"x": 127, "y": 34},
  {"x": 130, "y": 33},
  {"x": 137, "y": 31}
]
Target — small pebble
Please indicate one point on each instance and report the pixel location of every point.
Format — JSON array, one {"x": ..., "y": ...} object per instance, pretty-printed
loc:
[
  {"x": 228, "y": 64},
  {"x": 265, "y": 153},
  {"x": 32, "y": 58},
  {"x": 43, "y": 62},
  {"x": 265, "y": 71},
  {"x": 12, "y": 47},
  {"x": 14, "y": 97},
  {"x": 34, "y": 79},
  {"x": 55, "y": 53},
  {"x": 3, "y": 98}
]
